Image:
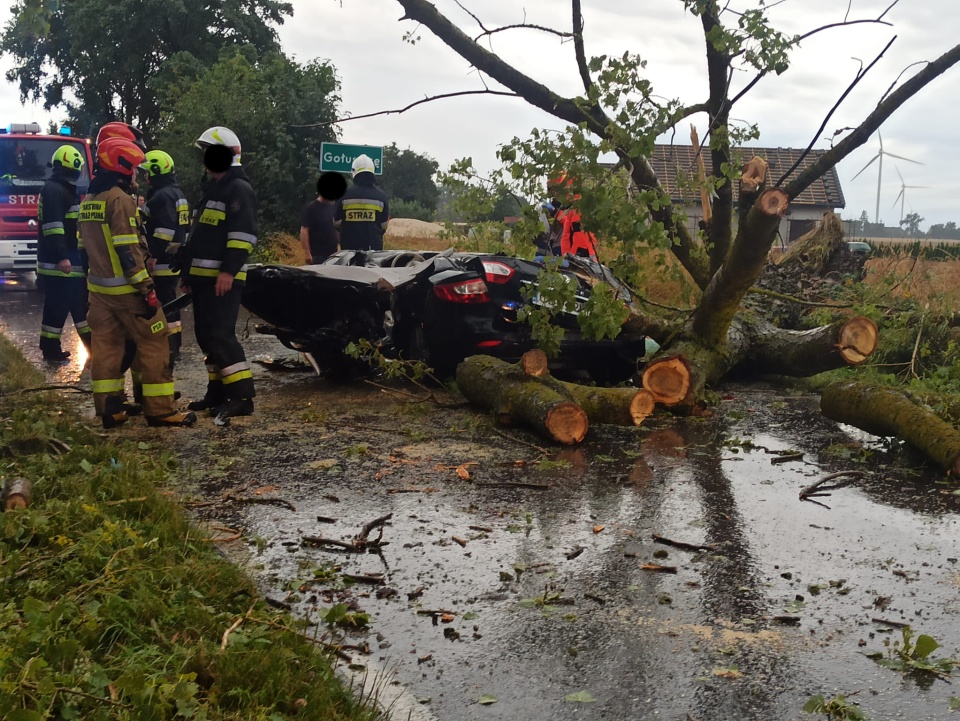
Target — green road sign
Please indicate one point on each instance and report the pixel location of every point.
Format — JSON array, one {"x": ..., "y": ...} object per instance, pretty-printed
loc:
[{"x": 339, "y": 158}]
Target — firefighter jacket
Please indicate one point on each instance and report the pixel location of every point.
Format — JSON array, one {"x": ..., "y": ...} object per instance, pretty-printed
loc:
[
  {"x": 57, "y": 228},
  {"x": 108, "y": 233},
  {"x": 224, "y": 230},
  {"x": 361, "y": 215},
  {"x": 166, "y": 216}
]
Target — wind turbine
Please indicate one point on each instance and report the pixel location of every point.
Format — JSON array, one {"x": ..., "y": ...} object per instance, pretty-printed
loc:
[
  {"x": 879, "y": 156},
  {"x": 903, "y": 192}
]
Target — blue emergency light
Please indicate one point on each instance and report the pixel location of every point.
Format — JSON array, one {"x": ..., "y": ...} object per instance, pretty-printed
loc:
[{"x": 65, "y": 130}]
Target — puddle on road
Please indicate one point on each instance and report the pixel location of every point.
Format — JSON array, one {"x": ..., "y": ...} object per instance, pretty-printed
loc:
[{"x": 780, "y": 607}]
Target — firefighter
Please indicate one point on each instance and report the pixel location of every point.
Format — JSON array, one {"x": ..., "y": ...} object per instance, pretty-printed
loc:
[
  {"x": 123, "y": 300},
  {"x": 363, "y": 212},
  {"x": 223, "y": 234},
  {"x": 58, "y": 257},
  {"x": 166, "y": 216},
  {"x": 574, "y": 240}
]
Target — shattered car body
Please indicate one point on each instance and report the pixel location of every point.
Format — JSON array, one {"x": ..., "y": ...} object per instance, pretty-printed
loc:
[{"x": 435, "y": 307}]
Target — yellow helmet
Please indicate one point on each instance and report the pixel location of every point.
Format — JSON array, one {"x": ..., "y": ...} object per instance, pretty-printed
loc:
[
  {"x": 157, "y": 162},
  {"x": 67, "y": 156}
]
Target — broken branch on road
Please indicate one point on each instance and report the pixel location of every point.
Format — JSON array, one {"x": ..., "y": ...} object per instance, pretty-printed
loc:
[
  {"x": 819, "y": 488},
  {"x": 683, "y": 544},
  {"x": 360, "y": 543}
]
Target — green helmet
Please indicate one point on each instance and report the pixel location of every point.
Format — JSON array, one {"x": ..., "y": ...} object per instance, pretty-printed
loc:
[
  {"x": 157, "y": 162},
  {"x": 67, "y": 156}
]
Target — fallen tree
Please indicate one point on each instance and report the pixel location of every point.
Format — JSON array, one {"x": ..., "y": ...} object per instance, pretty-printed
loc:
[{"x": 620, "y": 113}]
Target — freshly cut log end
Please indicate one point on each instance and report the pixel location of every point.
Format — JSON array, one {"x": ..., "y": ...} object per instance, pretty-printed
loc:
[
  {"x": 16, "y": 494},
  {"x": 567, "y": 423},
  {"x": 668, "y": 380},
  {"x": 857, "y": 340},
  {"x": 534, "y": 363},
  {"x": 642, "y": 406},
  {"x": 773, "y": 202}
]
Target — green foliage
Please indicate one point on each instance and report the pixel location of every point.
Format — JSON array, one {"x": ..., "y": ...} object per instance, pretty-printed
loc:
[
  {"x": 836, "y": 708},
  {"x": 410, "y": 209},
  {"x": 408, "y": 181},
  {"x": 909, "y": 655},
  {"x": 341, "y": 615},
  {"x": 115, "y": 56},
  {"x": 553, "y": 294},
  {"x": 280, "y": 158},
  {"x": 113, "y": 607}
]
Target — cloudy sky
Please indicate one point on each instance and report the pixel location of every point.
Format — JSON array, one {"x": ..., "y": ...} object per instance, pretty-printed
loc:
[{"x": 380, "y": 71}]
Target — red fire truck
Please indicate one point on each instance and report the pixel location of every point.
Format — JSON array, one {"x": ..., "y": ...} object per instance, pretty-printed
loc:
[{"x": 25, "y": 154}]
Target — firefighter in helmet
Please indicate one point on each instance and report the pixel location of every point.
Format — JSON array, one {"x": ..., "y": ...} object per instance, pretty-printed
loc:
[
  {"x": 223, "y": 234},
  {"x": 58, "y": 256},
  {"x": 166, "y": 216},
  {"x": 123, "y": 300},
  {"x": 363, "y": 212}
]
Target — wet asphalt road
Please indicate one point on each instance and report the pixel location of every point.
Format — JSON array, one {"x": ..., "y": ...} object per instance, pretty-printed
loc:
[{"x": 620, "y": 642}]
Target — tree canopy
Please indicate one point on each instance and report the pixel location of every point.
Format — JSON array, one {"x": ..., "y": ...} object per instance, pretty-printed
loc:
[
  {"x": 111, "y": 59},
  {"x": 281, "y": 159},
  {"x": 408, "y": 177}
]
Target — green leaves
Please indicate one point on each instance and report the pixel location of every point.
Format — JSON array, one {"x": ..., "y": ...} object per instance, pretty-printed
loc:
[
  {"x": 836, "y": 708},
  {"x": 907, "y": 656},
  {"x": 580, "y": 697}
]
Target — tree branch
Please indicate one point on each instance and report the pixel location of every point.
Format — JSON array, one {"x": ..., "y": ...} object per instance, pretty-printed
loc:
[
  {"x": 523, "y": 26},
  {"x": 874, "y": 120},
  {"x": 718, "y": 71},
  {"x": 860, "y": 75},
  {"x": 408, "y": 107},
  {"x": 578, "y": 47}
]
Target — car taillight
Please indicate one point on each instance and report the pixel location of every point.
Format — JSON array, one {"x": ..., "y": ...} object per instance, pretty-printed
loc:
[
  {"x": 495, "y": 272},
  {"x": 467, "y": 291}
]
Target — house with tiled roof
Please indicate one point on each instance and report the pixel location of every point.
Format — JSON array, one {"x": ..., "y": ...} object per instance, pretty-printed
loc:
[{"x": 676, "y": 167}]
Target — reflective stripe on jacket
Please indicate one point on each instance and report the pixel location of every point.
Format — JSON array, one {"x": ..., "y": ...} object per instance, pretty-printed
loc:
[
  {"x": 108, "y": 221},
  {"x": 57, "y": 212},
  {"x": 224, "y": 230},
  {"x": 166, "y": 215}
]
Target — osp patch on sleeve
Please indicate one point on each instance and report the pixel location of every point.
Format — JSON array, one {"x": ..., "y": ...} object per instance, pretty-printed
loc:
[{"x": 157, "y": 327}]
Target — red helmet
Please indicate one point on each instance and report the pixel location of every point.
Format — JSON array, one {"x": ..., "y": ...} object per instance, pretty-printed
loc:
[
  {"x": 119, "y": 155},
  {"x": 116, "y": 129}
]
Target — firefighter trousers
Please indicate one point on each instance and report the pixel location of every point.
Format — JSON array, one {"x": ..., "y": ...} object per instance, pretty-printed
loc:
[
  {"x": 166, "y": 287},
  {"x": 215, "y": 324},
  {"x": 113, "y": 320},
  {"x": 63, "y": 296}
]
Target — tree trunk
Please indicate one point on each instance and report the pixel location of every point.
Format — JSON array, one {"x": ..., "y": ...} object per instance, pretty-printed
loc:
[
  {"x": 755, "y": 345},
  {"x": 884, "y": 411},
  {"x": 515, "y": 397},
  {"x": 556, "y": 409}
]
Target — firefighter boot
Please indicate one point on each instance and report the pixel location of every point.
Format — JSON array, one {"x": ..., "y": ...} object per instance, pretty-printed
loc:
[
  {"x": 177, "y": 419},
  {"x": 113, "y": 412},
  {"x": 233, "y": 407},
  {"x": 212, "y": 399}
]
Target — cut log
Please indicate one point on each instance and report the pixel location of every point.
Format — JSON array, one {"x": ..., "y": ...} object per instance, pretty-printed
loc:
[
  {"x": 515, "y": 397},
  {"x": 858, "y": 339},
  {"x": 886, "y": 411},
  {"x": 16, "y": 493},
  {"x": 617, "y": 406},
  {"x": 534, "y": 363},
  {"x": 774, "y": 351},
  {"x": 668, "y": 380}
]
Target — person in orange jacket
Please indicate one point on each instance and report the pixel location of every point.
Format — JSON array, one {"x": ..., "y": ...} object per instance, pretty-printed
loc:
[{"x": 573, "y": 239}]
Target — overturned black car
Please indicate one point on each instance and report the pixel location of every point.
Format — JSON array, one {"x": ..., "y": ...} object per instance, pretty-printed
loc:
[{"x": 434, "y": 307}]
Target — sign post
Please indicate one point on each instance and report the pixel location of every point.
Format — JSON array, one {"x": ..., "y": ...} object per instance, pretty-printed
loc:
[{"x": 338, "y": 158}]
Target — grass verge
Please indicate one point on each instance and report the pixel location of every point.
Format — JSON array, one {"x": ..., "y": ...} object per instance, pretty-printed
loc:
[{"x": 112, "y": 605}]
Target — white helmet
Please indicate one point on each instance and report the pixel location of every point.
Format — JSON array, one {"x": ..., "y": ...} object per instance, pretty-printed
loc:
[
  {"x": 219, "y": 135},
  {"x": 363, "y": 164}
]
